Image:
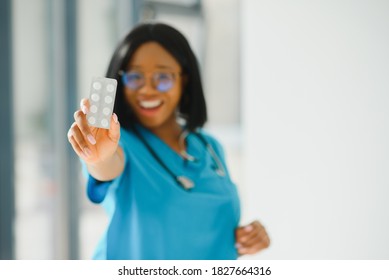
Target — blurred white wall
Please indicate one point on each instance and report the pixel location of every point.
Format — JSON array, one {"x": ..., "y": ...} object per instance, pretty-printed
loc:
[
  {"x": 221, "y": 71},
  {"x": 315, "y": 115}
]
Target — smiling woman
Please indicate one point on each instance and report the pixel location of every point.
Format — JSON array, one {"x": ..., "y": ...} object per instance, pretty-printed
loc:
[{"x": 162, "y": 203}]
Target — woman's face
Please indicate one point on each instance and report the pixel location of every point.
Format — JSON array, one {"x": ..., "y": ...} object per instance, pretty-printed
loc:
[{"x": 153, "y": 99}]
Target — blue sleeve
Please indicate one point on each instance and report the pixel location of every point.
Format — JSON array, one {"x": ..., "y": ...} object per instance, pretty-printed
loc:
[{"x": 97, "y": 190}]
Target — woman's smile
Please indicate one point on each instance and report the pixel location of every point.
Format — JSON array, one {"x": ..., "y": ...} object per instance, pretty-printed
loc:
[
  {"x": 149, "y": 108},
  {"x": 150, "y": 104}
]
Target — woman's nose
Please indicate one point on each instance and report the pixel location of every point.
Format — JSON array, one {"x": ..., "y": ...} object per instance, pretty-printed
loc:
[{"x": 148, "y": 88}]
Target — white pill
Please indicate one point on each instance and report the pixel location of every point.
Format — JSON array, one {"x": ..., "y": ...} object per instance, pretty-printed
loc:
[
  {"x": 97, "y": 85},
  {"x": 92, "y": 120},
  {"x": 108, "y": 99},
  {"x": 95, "y": 97},
  {"x": 93, "y": 108},
  {"x": 104, "y": 122},
  {"x": 110, "y": 88},
  {"x": 106, "y": 111}
]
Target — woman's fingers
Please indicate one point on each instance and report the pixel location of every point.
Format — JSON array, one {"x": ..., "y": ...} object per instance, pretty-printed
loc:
[
  {"x": 85, "y": 129},
  {"x": 251, "y": 238},
  {"x": 83, "y": 126},
  {"x": 78, "y": 141},
  {"x": 76, "y": 147},
  {"x": 114, "y": 131},
  {"x": 251, "y": 232},
  {"x": 84, "y": 105},
  {"x": 255, "y": 244}
]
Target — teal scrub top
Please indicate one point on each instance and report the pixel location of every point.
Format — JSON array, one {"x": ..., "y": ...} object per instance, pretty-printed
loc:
[{"x": 152, "y": 217}]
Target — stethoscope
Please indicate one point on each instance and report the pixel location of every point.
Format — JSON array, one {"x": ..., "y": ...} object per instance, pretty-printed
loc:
[{"x": 183, "y": 180}]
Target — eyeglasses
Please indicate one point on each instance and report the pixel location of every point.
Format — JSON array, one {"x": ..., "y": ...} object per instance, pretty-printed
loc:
[{"x": 161, "y": 81}]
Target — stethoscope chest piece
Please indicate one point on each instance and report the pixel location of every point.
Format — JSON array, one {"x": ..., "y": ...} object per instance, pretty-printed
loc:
[
  {"x": 185, "y": 182},
  {"x": 220, "y": 172}
]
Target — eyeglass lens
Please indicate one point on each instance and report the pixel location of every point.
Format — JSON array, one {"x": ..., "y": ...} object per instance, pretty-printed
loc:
[{"x": 162, "y": 82}]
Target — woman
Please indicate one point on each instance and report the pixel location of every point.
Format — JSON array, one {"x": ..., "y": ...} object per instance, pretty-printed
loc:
[{"x": 161, "y": 178}]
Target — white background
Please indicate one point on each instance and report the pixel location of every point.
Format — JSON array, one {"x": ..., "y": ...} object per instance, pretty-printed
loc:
[{"x": 316, "y": 118}]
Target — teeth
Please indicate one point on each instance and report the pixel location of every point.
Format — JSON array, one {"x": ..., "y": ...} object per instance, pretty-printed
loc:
[{"x": 150, "y": 104}]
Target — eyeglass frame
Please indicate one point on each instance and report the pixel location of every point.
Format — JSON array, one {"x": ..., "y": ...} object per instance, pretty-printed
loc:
[{"x": 124, "y": 74}]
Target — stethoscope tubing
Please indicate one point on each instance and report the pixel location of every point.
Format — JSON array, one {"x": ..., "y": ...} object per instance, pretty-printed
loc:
[{"x": 182, "y": 180}]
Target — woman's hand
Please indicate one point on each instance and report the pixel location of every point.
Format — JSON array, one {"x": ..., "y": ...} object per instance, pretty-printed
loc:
[
  {"x": 93, "y": 145},
  {"x": 251, "y": 239}
]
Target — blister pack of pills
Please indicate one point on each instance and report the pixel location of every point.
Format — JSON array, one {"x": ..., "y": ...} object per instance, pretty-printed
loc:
[{"x": 101, "y": 101}]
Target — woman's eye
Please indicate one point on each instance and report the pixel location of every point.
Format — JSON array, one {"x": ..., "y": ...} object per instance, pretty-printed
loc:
[
  {"x": 134, "y": 77},
  {"x": 163, "y": 77}
]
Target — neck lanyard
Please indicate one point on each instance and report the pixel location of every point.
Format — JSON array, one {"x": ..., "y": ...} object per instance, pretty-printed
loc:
[{"x": 182, "y": 180}]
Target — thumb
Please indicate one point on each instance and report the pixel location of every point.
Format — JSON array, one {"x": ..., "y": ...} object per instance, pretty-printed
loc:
[{"x": 114, "y": 130}]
